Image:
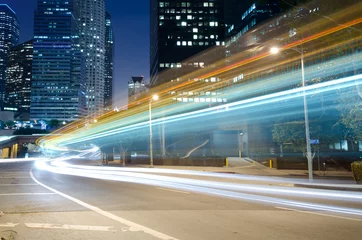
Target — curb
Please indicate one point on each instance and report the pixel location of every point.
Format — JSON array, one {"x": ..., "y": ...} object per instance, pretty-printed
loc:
[{"x": 327, "y": 187}]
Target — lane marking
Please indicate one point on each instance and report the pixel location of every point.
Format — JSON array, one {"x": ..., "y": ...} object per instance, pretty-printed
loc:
[
  {"x": 133, "y": 227},
  {"x": 320, "y": 214},
  {"x": 25, "y": 194},
  {"x": 19, "y": 184},
  {"x": 9, "y": 225},
  {"x": 70, "y": 227},
  {"x": 1, "y": 177},
  {"x": 171, "y": 190}
]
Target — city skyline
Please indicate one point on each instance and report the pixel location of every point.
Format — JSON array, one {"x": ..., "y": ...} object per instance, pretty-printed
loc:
[{"x": 131, "y": 32}]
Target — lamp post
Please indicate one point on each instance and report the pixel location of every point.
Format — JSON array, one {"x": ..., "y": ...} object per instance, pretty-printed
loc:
[
  {"x": 154, "y": 98},
  {"x": 275, "y": 50}
]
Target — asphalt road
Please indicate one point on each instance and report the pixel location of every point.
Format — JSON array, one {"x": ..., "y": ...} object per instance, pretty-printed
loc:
[{"x": 56, "y": 206}]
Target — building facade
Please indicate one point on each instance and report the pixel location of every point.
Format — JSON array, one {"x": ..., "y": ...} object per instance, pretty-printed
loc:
[
  {"x": 180, "y": 30},
  {"x": 9, "y": 37},
  {"x": 58, "y": 89},
  {"x": 136, "y": 86},
  {"x": 92, "y": 23},
  {"x": 18, "y": 78},
  {"x": 109, "y": 63}
]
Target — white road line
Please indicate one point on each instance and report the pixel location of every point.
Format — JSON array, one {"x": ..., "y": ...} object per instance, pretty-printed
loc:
[
  {"x": 1, "y": 177},
  {"x": 24, "y": 194},
  {"x": 7, "y": 225},
  {"x": 18, "y": 184},
  {"x": 70, "y": 227},
  {"x": 133, "y": 227},
  {"x": 320, "y": 214},
  {"x": 171, "y": 190}
]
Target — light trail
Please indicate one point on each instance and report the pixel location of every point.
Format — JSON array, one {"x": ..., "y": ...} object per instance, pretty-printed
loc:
[
  {"x": 258, "y": 101},
  {"x": 216, "y": 188}
]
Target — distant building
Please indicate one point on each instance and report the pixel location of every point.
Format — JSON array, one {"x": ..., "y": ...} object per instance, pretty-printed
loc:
[
  {"x": 109, "y": 64},
  {"x": 136, "y": 86},
  {"x": 18, "y": 79},
  {"x": 92, "y": 23},
  {"x": 58, "y": 90},
  {"x": 9, "y": 37}
]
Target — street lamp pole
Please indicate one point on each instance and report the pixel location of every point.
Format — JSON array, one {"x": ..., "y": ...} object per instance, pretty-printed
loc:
[
  {"x": 275, "y": 50},
  {"x": 154, "y": 97},
  {"x": 306, "y": 121}
]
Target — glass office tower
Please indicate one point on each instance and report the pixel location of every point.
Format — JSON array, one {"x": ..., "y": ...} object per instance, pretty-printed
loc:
[
  {"x": 9, "y": 37},
  {"x": 58, "y": 87},
  {"x": 109, "y": 63}
]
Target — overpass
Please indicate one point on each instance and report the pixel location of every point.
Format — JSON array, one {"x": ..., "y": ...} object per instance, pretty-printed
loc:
[{"x": 10, "y": 146}]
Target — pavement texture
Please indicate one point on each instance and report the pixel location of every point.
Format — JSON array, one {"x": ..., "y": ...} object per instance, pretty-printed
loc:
[{"x": 37, "y": 204}]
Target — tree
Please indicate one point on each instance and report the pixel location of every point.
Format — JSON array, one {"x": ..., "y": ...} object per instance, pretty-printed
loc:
[
  {"x": 54, "y": 123},
  {"x": 10, "y": 123},
  {"x": 349, "y": 105}
]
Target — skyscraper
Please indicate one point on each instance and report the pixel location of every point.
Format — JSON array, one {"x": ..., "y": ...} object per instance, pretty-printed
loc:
[
  {"x": 9, "y": 37},
  {"x": 109, "y": 63},
  {"x": 58, "y": 79},
  {"x": 136, "y": 86},
  {"x": 92, "y": 23},
  {"x": 181, "y": 29},
  {"x": 18, "y": 78}
]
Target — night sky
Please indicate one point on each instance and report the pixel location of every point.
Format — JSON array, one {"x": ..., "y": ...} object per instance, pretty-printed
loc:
[{"x": 131, "y": 27}]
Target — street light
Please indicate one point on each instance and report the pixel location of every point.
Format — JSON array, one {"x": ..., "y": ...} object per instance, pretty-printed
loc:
[
  {"x": 154, "y": 98},
  {"x": 275, "y": 50}
]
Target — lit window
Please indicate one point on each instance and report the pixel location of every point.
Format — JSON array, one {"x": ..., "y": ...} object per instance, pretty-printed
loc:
[
  {"x": 189, "y": 17},
  {"x": 189, "y": 43},
  {"x": 195, "y": 36},
  {"x": 212, "y": 36},
  {"x": 162, "y": 17},
  {"x": 212, "y": 24},
  {"x": 211, "y": 4},
  {"x": 178, "y": 17},
  {"x": 178, "y": 43},
  {"x": 162, "y": 4},
  {"x": 206, "y": 4},
  {"x": 183, "y": 24},
  {"x": 217, "y": 43},
  {"x": 162, "y": 65},
  {"x": 184, "y": 43},
  {"x": 195, "y": 30}
]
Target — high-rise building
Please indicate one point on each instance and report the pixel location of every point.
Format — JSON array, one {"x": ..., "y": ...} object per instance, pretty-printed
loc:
[
  {"x": 92, "y": 23},
  {"x": 181, "y": 29},
  {"x": 18, "y": 78},
  {"x": 136, "y": 86},
  {"x": 58, "y": 69},
  {"x": 109, "y": 63},
  {"x": 9, "y": 37},
  {"x": 255, "y": 13}
]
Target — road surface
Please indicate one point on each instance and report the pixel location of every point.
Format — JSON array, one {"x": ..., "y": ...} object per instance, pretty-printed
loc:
[{"x": 37, "y": 204}]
